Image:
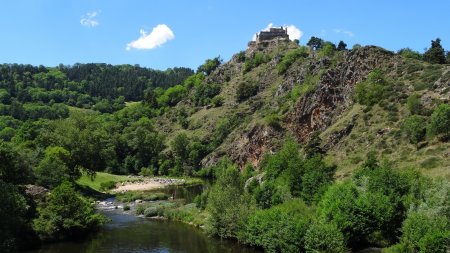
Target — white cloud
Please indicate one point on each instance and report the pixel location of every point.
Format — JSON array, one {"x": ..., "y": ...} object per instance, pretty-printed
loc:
[
  {"x": 348, "y": 33},
  {"x": 293, "y": 32},
  {"x": 90, "y": 19},
  {"x": 159, "y": 35}
]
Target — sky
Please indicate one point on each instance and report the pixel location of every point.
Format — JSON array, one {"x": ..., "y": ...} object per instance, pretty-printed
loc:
[{"x": 163, "y": 34}]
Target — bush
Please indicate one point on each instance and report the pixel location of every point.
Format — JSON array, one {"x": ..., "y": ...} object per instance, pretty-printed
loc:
[
  {"x": 217, "y": 101},
  {"x": 413, "y": 103},
  {"x": 140, "y": 209},
  {"x": 256, "y": 60},
  {"x": 414, "y": 128},
  {"x": 426, "y": 233},
  {"x": 409, "y": 53},
  {"x": 278, "y": 229},
  {"x": 150, "y": 212},
  {"x": 273, "y": 120},
  {"x": 227, "y": 205},
  {"x": 245, "y": 90},
  {"x": 13, "y": 209},
  {"x": 327, "y": 50},
  {"x": 290, "y": 58},
  {"x": 326, "y": 238},
  {"x": 372, "y": 90},
  {"x": 440, "y": 122},
  {"x": 104, "y": 186},
  {"x": 147, "y": 172},
  {"x": 66, "y": 214}
]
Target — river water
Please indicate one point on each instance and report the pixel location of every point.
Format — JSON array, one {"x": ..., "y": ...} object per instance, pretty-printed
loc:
[{"x": 127, "y": 233}]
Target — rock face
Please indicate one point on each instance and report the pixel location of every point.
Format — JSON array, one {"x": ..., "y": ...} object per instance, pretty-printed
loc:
[
  {"x": 318, "y": 109},
  {"x": 314, "y": 111},
  {"x": 252, "y": 145}
]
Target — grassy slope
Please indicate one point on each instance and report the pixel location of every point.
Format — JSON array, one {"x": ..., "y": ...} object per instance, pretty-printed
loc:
[
  {"x": 348, "y": 154},
  {"x": 100, "y": 177}
]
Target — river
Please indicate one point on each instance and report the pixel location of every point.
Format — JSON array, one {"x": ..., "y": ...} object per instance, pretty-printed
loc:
[{"x": 127, "y": 233}]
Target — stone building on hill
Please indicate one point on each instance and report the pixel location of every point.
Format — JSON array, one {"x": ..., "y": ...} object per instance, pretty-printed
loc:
[{"x": 274, "y": 33}]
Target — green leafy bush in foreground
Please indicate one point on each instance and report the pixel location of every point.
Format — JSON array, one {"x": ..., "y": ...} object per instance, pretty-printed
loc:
[{"x": 66, "y": 214}]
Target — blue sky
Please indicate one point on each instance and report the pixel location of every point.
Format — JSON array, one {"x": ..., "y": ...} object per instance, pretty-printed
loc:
[{"x": 51, "y": 32}]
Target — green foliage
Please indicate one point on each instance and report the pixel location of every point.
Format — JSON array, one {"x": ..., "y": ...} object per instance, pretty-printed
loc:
[
  {"x": 53, "y": 168},
  {"x": 372, "y": 90},
  {"x": 427, "y": 226},
  {"x": 409, "y": 53},
  {"x": 13, "y": 209},
  {"x": 316, "y": 178},
  {"x": 245, "y": 90},
  {"x": 436, "y": 54},
  {"x": 414, "y": 104},
  {"x": 342, "y": 46},
  {"x": 315, "y": 43},
  {"x": 278, "y": 229},
  {"x": 66, "y": 214},
  {"x": 204, "y": 92},
  {"x": 440, "y": 122},
  {"x": 172, "y": 96},
  {"x": 414, "y": 128},
  {"x": 131, "y": 196},
  {"x": 357, "y": 214},
  {"x": 14, "y": 165},
  {"x": 324, "y": 237},
  {"x": 217, "y": 101},
  {"x": 256, "y": 60},
  {"x": 327, "y": 50},
  {"x": 240, "y": 56},
  {"x": 179, "y": 145},
  {"x": 108, "y": 185},
  {"x": 150, "y": 211},
  {"x": 209, "y": 66},
  {"x": 290, "y": 58},
  {"x": 227, "y": 205},
  {"x": 273, "y": 120}
]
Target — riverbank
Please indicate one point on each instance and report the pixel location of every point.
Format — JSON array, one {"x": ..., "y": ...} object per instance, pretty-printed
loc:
[{"x": 110, "y": 183}]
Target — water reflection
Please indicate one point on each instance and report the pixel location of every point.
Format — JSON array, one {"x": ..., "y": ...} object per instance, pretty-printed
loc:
[{"x": 127, "y": 233}]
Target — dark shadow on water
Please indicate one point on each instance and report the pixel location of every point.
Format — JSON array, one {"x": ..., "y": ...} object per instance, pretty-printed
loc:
[{"x": 127, "y": 233}]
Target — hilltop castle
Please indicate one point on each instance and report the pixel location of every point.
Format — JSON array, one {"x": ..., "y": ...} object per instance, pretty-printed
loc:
[{"x": 274, "y": 33}]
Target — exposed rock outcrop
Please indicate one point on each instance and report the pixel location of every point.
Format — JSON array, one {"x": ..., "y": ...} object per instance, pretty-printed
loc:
[{"x": 319, "y": 108}]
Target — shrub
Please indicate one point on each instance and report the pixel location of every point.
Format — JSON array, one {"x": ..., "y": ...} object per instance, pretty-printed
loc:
[
  {"x": 290, "y": 58},
  {"x": 104, "y": 186},
  {"x": 217, "y": 101},
  {"x": 426, "y": 233},
  {"x": 409, "y": 53},
  {"x": 150, "y": 211},
  {"x": 326, "y": 238},
  {"x": 256, "y": 60},
  {"x": 440, "y": 122},
  {"x": 278, "y": 229},
  {"x": 413, "y": 103},
  {"x": 240, "y": 56},
  {"x": 245, "y": 90},
  {"x": 327, "y": 50},
  {"x": 414, "y": 128},
  {"x": 66, "y": 214},
  {"x": 147, "y": 172},
  {"x": 272, "y": 120},
  {"x": 372, "y": 90},
  {"x": 140, "y": 209},
  {"x": 227, "y": 206}
]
